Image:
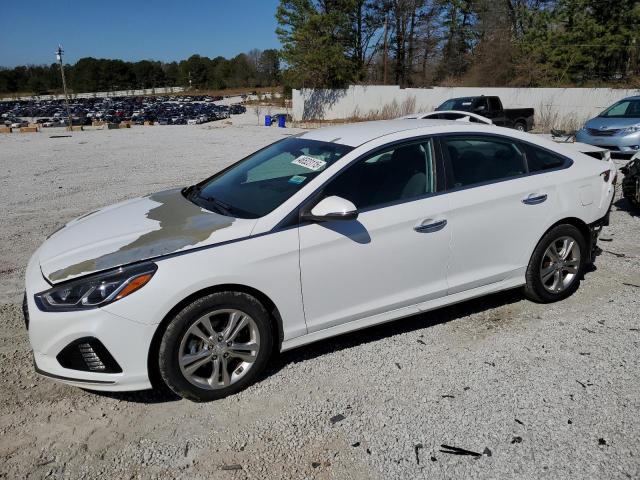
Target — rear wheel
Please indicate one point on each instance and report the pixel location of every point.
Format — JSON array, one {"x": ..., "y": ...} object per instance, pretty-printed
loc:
[
  {"x": 520, "y": 126},
  {"x": 557, "y": 265},
  {"x": 216, "y": 346}
]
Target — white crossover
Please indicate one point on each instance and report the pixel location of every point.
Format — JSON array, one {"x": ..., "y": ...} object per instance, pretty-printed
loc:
[{"x": 318, "y": 234}]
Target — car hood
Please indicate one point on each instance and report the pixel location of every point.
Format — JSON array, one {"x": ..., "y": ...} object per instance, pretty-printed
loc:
[
  {"x": 138, "y": 229},
  {"x": 610, "y": 123}
]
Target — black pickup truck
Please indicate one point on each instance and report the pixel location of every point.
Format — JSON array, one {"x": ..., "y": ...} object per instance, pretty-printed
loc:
[{"x": 491, "y": 108}]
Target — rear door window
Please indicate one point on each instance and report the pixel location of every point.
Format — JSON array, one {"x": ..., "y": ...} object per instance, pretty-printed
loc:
[
  {"x": 539, "y": 159},
  {"x": 475, "y": 160}
]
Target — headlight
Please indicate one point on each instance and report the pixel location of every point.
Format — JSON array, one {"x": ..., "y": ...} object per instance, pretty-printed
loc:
[
  {"x": 96, "y": 290},
  {"x": 633, "y": 129}
]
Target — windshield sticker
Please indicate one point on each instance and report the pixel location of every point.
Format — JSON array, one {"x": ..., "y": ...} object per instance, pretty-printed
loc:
[
  {"x": 309, "y": 162},
  {"x": 466, "y": 104},
  {"x": 297, "y": 179}
]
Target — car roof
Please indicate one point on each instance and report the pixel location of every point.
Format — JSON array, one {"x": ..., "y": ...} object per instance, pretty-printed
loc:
[{"x": 356, "y": 134}]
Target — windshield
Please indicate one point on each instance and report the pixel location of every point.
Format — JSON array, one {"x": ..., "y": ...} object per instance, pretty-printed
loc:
[
  {"x": 265, "y": 179},
  {"x": 463, "y": 104},
  {"x": 623, "y": 109}
]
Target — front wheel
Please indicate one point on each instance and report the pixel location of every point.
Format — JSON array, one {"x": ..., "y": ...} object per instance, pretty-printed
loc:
[
  {"x": 557, "y": 265},
  {"x": 216, "y": 346}
]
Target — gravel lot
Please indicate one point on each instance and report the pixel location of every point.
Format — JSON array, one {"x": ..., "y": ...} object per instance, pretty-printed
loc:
[{"x": 549, "y": 391}]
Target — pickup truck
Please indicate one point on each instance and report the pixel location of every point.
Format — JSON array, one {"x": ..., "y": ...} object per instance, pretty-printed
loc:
[{"x": 491, "y": 107}]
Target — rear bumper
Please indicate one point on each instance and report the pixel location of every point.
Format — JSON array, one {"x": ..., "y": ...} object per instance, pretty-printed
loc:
[{"x": 594, "y": 231}]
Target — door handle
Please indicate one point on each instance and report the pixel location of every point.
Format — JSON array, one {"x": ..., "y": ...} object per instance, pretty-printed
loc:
[
  {"x": 432, "y": 226},
  {"x": 534, "y": 199}
]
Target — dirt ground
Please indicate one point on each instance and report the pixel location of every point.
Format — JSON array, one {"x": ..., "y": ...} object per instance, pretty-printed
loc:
[{"x": 546, "y": 391}]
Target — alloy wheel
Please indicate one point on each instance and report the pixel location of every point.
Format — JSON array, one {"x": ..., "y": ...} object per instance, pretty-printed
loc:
[
  {"x": 219, "y": 349},
  {"x": 560, "y": 264}
]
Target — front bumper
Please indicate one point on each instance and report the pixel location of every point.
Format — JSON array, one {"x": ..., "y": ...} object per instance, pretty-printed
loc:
[
  {"x": 626, "y": 144},
  {"x": 50, "y": 333}
]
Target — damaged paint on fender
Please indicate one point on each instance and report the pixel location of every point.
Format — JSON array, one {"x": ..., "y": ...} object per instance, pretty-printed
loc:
[{"x": 182, "y": 224}]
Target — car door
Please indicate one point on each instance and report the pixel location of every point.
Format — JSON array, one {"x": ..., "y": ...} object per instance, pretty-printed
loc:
[
  {"x": 496, "y": 208},
  {"x": 394, "y": 255},
  {"x": 496, "y": 112}
]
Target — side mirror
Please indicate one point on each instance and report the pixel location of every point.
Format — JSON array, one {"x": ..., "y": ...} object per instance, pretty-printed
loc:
[{"x": 331, "y": 208}]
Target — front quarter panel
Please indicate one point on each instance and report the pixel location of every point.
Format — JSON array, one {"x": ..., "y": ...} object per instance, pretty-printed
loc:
[{"x": 268, "y": 263}]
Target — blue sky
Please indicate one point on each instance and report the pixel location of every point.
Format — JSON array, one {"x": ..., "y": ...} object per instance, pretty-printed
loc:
[{"x": 30, "y": 30}]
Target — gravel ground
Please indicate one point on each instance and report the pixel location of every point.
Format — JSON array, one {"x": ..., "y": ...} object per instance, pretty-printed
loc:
[{"x": 546, "y": 391}]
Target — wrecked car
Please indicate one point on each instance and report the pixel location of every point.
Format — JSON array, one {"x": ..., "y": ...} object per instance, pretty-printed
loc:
[
  {"x": 322, "y": 233},
  {"x": 631, "y": 181}
]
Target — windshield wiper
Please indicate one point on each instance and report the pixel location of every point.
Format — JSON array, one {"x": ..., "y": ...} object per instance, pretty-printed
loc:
[
  {"x": 220, "y": 206},
  {"x": 193, "y": 190},
  {"x": 192, "y": 194}
]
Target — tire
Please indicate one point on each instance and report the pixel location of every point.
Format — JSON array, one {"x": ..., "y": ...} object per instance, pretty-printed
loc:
[
  {"x": 521, "y": 127},
  {"x": 193, "y": 365},
  {"x": 565, "y": 273}
]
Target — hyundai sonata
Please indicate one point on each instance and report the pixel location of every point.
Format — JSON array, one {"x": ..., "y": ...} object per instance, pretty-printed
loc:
[{"x": 318, "y": 234}]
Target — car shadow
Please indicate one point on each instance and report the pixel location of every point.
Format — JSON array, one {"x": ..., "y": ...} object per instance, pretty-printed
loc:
[
  {"x": 624, "y": 205},
  {"x": 391, "y": 329},
  {"x": 353, "y": 230},
  {"x": 343, "y": 342},
  {"x": 149, "y": 397}
]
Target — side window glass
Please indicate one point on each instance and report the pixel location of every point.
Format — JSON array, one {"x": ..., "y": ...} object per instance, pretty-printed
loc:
[
  {"x": 394, "y": 174},
  {"x": 493, "y": 104},
  {"x": 475, "y": 160},
  {"x": 484, "y": 103},
  {"x": 539, "y": 159}
]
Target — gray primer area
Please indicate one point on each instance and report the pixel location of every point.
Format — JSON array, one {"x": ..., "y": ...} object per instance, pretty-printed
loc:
[{"x": 182, "y": 224}]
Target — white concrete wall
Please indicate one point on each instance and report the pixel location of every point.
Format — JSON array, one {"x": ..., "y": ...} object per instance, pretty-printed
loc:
[{"x": 552, "y": 105}]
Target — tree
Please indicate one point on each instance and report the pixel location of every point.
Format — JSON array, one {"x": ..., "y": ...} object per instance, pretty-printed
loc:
[
  {"x": 269, "y": 67},
  {"x": 315, "y": 38},
  {"x": 581, "y": 41}
]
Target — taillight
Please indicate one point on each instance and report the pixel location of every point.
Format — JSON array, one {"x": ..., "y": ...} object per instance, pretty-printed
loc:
[{"x": 606, "y": 175}]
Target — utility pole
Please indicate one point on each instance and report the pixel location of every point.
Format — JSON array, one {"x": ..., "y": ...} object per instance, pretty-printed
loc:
[
  {"x": 59, "y": 53},
  {"x": 384, "y": 54}
]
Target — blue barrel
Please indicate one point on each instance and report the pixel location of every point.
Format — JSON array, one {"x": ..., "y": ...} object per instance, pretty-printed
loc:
[
  {"x": 267, "y": 120},
  {"x": 281, "y": 121}
]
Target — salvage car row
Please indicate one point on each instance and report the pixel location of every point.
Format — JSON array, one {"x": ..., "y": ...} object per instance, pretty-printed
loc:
[{"x": 164, "y": 110}]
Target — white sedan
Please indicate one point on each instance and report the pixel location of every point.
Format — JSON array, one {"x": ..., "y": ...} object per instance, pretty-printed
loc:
[{"x": 319, "y": 234}]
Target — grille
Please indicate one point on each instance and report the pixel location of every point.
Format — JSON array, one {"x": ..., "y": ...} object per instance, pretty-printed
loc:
[
  {"x": 90, "y": 358},
  {"x": 89, "y": 355},
  {"x": 603, "y": 133}
]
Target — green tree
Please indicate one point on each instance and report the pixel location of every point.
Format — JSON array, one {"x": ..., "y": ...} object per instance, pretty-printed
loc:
[
  {"x": 315, "y": 39},
  {"x": 581, "y": 41},
  {"x": 269, "y": 67}
]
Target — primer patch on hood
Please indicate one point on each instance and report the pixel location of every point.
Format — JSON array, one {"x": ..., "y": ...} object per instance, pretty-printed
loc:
[{"x": 182, "y": 224}]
